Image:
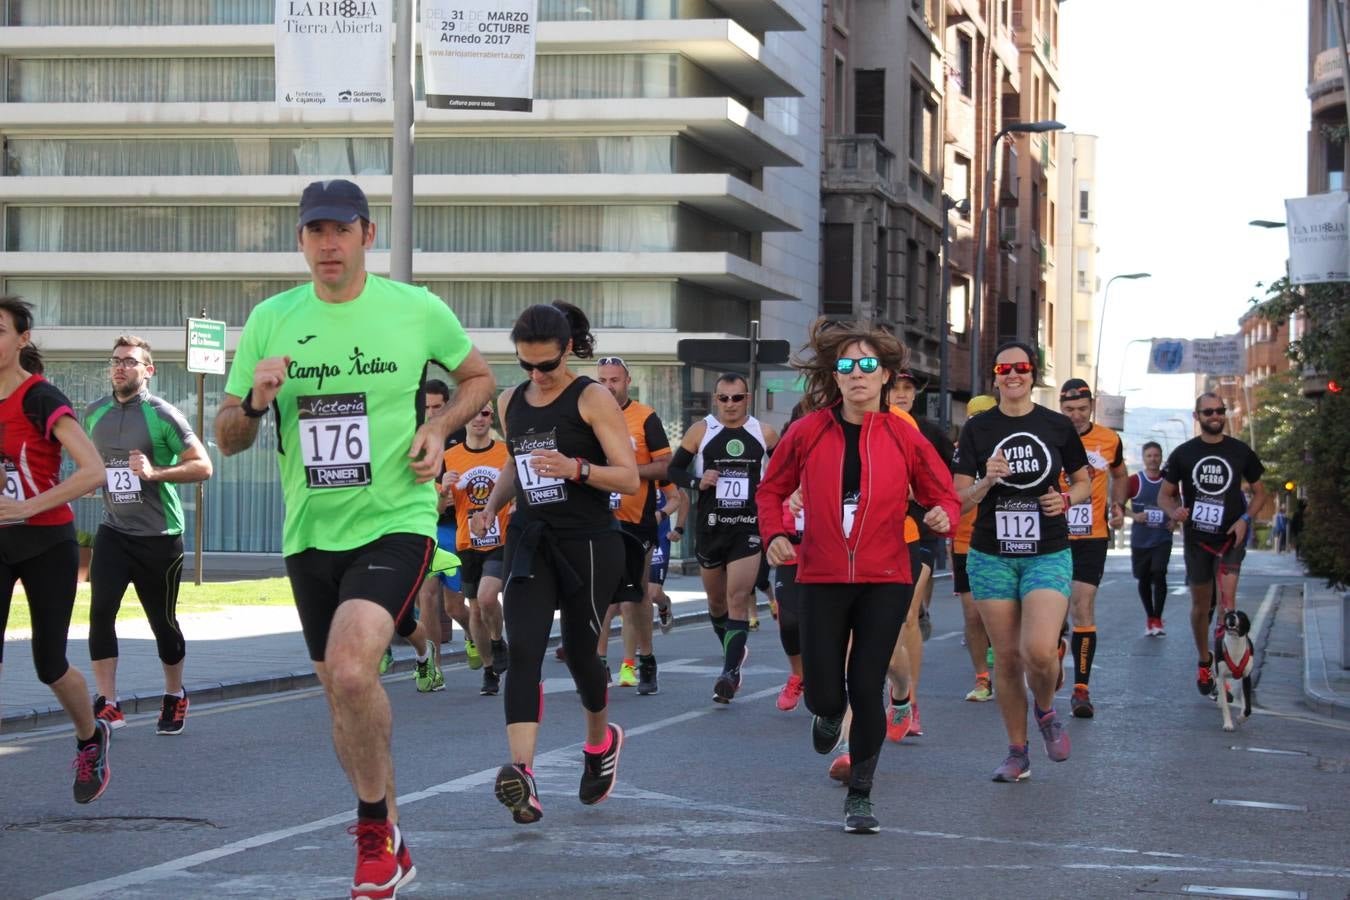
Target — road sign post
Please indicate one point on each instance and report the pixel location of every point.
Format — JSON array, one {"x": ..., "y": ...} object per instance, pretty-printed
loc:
[{"x": 205, "y": 356}]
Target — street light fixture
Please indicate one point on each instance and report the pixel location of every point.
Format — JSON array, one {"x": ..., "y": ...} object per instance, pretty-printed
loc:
[
  {"x": 1101, "y": 321},
  {"x": 1266, "y": 223},
  {"x": 980, "y": 235}
]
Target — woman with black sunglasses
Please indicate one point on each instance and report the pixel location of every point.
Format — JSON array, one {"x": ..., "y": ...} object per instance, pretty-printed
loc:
[
  {"x": 855, "y": 464},
  {"x": 569, "y": 449},
  {"x": 1019, "y": 563}
]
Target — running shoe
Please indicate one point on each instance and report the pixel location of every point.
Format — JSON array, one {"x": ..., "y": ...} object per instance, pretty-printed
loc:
[
  {"x": 560, "y": 654},
  {"x": 92, "y": 772},
  {"x": 600, "y": 769},
  {"x": 172, "y": 714},
  {"x": 1158, "y": 629},
  {"x": 1017, "y": 767},
  {"x": 729, "y": 682},
  {"x": 858, "y": 818},
  {"x": 501, "y": 656},
  {"x": 791, "y": 693},
  {"x": 915, "y": 724},
  {"x": 1063, "y": 649},
  {"x": 754, "y": 623},
  {"x": 471, "y": 653},
  {"x": 109, "y": 712},
  {"x": 827, "y": 734},
  {"x": 899, "y": 720},
  {"x": 437, "y": 679},
  {"x": 378, "y": 872},
  {"x": 627, "y": 675},
  {"x": 1204, "y": 679},
  {"x": 664, "y": 618},
  {"x": 428, "y": 672},
  {"x": 492, "y": 683},
  {"x": 516, "y": 791},
  {"x": 925, "y": 623},
  {"x": 1080, "y": 703},
  {"x": 404, "y": 857},
  {"x": 1150, "y": 628},
  {"x": 387, "y": 661},
  {"x": 841, "y": 768},
  {"x": 982, "y": 692},
  {"x": 1055, "y": 737},
  {"x": 647, "y": 676}
]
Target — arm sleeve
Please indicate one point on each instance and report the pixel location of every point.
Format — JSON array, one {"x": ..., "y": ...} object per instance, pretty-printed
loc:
[
  {"x": 44, "y": 405},
  {"x": 446, "y": 338},
  {"x": 248, "y": 353},
  {"x": 930, "y": 478},
  {"x": 657, "y": 442},
  {"x": 1119, "y": 459},
  {"x": 780, "y": 479},
  {"x": 679, "y": 469},
  {"x": 1254, "y": 469},
  {"x": 1171, "y": 470},
  {"x": 1134, "y": 484},
  {"x": 174, "y": 426}
]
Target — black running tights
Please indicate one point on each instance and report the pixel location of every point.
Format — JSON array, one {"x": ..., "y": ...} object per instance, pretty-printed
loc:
[
  {"x": 787, "y": 594},
  {"x": 870, "y": 614},
  {"x": 49, "y": 581},
  {"x": 528, "y": 606},
  {"x": 154, "y": 565}
]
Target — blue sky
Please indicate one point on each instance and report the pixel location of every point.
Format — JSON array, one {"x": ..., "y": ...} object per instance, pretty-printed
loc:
[{"x": 1202, "y": 119}]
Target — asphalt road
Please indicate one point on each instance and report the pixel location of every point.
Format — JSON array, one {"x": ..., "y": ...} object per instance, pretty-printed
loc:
[{"x": 714, "y": 800}]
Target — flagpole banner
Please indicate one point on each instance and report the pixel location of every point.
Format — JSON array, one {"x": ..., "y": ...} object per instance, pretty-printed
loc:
[
  {"x": 1224, "y": 355},
  {"x": 479, "y": 54},
  {"x": 1319, "y": 249},
  {"x": 334, "y": 53}
]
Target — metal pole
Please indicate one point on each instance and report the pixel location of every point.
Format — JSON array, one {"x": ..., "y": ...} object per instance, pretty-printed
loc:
[
  {"x": 201, "y": 487},
  {"x": 401, "y": 219},
  {"x": 754, "y": 363},
  {"x": 944, "y": 364},
  {"x": 978, "y": 283},
  {"x": 1101, "y": 321}
]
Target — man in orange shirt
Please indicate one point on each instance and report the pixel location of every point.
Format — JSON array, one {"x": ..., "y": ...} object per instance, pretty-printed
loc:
[
  {"x": 471, "y": 470},
  {"x": 638, "y": 515},
  {"x": 1087, "y": 530}
]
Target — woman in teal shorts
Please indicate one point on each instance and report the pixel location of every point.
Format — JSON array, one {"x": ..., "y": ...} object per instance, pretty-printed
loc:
[{"x": 1008, "y": 462}]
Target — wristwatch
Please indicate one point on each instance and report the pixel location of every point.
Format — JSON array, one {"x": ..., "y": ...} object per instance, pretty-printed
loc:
[
  {"x": 583, "y": 471},
  {"x": 249, "y": 411}
]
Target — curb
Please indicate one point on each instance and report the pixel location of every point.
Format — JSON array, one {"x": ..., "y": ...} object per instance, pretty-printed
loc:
[
  {"x": 1317, "y": 689},
  {"x": 217, "y": 691}
]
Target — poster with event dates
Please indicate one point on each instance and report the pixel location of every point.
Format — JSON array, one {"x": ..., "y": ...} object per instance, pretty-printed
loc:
[{"x": 479, "y": 54}]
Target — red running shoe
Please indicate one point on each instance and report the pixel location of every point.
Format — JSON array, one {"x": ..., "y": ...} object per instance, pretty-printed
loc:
[
  {"x": 378, "y": 872},
  {"x": 790, "y": 694}
]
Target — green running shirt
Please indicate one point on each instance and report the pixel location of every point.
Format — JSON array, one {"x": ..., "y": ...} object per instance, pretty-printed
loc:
[
  {"x": 348, "y": 408},
  {"x": 156, "y": 428}
]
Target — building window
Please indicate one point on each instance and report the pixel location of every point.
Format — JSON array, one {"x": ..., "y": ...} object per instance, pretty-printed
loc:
[
  {"x": 881, "y": 290},
  {"x": 1335, "y": 159},
  {"x": 922, "y": 127},
  {"x": 837, "y": 284},
  {"x": 960, "y": 182},
  {"x": 1084, "y": 205},
  {"x": 1007, "y": 320},
  {"x": 965, "y": 63},
  {"x": 869, "y": 102},
  {"x": 915, "y": 302},
  {"x": 958, "y": 305},
  {"x": 1081, "y": 269},
  {"x": 840, "y": 97},
  {"x": 1331, "y": 32}
]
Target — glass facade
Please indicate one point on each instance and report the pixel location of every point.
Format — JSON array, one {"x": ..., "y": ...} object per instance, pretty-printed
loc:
[
  {"x": 436, "y": 229},
  {"x": 601, "y": 155},
  {"x": 209, "y": 79}
]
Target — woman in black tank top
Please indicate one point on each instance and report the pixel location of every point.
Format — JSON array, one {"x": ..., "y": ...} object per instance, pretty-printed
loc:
[{"x": 569, "y": 449}]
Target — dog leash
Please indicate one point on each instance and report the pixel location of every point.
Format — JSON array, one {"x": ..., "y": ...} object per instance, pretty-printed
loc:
[{"x": 1219, "y": 599}]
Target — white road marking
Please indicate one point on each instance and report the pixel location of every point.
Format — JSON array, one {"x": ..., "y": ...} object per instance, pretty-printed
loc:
[
  {"x": 1263, "y": 612},
  {"x": 477, "y": 779},
  {"x": 945, "y": 637},
  {"x": 1180, "y": 591},
  {"x": 1261, "y": 804},
  {"x": 1206, "y": 890}
]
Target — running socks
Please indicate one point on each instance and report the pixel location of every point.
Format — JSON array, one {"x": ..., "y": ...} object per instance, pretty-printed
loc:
[
  {"x": 733, "y": 643},
  {"x": 377, "y": 811},
  {"x": 719, "y": 624},
  {"x": 597, "y": 749},
  {"x": 1084, "y": 648}
]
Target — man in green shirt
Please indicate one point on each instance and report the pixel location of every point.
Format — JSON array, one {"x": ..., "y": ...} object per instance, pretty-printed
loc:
[{"x": 340, "y": 361}]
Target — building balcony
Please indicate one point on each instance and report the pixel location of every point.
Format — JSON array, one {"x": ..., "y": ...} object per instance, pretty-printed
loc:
[
  {"x": 1326, "y": 73},
  {"x": 1008, "y": 181},
  {"x": 859, "y": 164}
]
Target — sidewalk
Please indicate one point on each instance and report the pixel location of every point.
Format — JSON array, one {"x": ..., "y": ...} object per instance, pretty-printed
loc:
[
  {"x": 1326, "y": 685},
  {"x": 235, "y": 653}
]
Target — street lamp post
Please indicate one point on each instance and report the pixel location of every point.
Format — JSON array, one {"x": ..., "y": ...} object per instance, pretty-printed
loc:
[
  {"x": 1101, "y": 321},
  {"x": 944, "y": 363},
  {"x": 980, "y": 234}
]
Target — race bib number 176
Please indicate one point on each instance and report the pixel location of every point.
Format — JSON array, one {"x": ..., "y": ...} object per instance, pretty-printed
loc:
[{"x": 334, "y": 439}]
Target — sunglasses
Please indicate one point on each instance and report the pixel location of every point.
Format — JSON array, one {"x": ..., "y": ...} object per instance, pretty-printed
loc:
[
  {"x": 123, "y": 362},
  {"x": 543, "y": 366},
  {"x": 1213, "y": 411},
  {"x": 844, "y": 365},
  {"x": 1021, "y": 368},
  {"x": 485, "y": 413},
  {"x": 730, "y": 398},
  {"x": 612, "y": 361}
]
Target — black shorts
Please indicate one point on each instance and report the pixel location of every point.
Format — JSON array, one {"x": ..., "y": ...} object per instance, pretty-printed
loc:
[
  {"x": 646, "y": 534},
  {"x": 1202, "y": 562},
  {"x": 1089, "y": 560},
  {"x": 1146, "y": 562},
  {"x": 960, "y": 580},
  {"x": 762, "y": 582},
  {"x": 475, "y": 565},
  {"x": 387, "y": 571},
  {"x": 722, "y": 549}
]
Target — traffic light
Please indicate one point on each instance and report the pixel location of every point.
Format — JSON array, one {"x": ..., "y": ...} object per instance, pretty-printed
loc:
[{"x": 1289, "y": 486}]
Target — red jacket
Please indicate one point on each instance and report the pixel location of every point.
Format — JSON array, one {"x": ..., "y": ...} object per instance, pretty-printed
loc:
[{"x": 895, "y": 457}]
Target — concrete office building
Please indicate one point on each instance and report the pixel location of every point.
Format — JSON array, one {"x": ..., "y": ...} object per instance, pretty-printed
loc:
[
  {"x": 1074, "y": 340},
  {"x": 667, "y": 182}
]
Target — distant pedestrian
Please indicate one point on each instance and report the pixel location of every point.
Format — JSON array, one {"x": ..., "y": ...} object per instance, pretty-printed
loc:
[{"x": 1279, "y": 531}]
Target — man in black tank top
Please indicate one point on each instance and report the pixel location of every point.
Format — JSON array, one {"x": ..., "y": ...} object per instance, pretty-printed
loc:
[{"x": 722, "y": 458}]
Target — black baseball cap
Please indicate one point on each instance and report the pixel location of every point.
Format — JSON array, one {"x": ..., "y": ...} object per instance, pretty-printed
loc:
[
  {"x": 1075, "y": 389},
  {"x": 337, "y": 200}
]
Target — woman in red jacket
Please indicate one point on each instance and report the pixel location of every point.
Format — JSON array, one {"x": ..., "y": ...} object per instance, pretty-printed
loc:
[{"x": 855, "y": 464}]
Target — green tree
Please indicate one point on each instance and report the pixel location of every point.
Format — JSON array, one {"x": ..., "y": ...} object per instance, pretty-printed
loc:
[{"x": 1321, "y": 431}]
